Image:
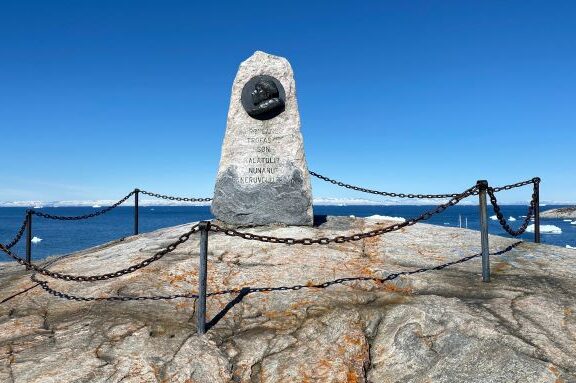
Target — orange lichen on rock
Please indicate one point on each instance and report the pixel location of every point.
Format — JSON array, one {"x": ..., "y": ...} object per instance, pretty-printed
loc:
[
  {"x": 394, "y": 288},
  {"x": 500, "y": 266}
]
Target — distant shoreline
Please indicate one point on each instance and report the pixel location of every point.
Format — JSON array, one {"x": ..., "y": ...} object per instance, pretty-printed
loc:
[{"x": 321, "y": 202}]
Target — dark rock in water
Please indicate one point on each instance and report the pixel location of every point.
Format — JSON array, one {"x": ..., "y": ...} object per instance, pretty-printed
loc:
[{"x": 563, "y": 212}]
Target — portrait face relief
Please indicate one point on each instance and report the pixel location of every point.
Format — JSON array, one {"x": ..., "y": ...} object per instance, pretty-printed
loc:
[{"x": 263, "y": 97}]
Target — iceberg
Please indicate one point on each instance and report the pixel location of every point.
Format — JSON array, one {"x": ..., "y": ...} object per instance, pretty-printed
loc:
[
  {"x": 571, "y": 247},
  {"x": 573, "y": 223},
  {"x": 567, "y": 220},
  {"x": 494, "y": 217},
  {"x": 545, "y": 229},
  {"x": 385, "y": 218},
  {"x": 96, "y": 206},
  {"x": 36, "y": 240},
  {"x": 511, "y": 219}
]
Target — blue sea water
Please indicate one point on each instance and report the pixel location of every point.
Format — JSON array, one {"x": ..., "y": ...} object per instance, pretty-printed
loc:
[{"x": 62, "y": 237}]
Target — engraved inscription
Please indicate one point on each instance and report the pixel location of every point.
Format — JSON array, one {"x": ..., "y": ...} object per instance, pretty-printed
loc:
[{"x": 261, "y": 163}]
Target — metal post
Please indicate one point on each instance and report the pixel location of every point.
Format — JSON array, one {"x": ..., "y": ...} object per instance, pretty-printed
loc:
[
  {"x": 482, "y": 187},
  {"x": 202, "y": 278},
  {"x": 29, "y": 236},
  {"x": 136, "y": 191},
  {"x": 537, "y": 210}
]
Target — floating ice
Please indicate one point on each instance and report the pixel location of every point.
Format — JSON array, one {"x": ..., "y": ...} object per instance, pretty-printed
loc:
[
  {"x": 36, "y": 240},
  {"x": 511, "y": 219},
  {"x": 446, "y": 223},
  {"x": 573, "y": 223},
  {"x": 494, "y": 217},
  {"x": 352, "y": 216},
  {"x": 545, "y": 229},
  {"x": 386, "y": 218},
  {"x": 96, "y": 206},
  {"x": 571, "y": 247},
  {"x": 38, "y": 207},
  {"x": 567, "y": 220}
]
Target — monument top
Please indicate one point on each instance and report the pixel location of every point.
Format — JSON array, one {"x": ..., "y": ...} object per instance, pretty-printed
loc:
[{"x": 263, "y": 177}]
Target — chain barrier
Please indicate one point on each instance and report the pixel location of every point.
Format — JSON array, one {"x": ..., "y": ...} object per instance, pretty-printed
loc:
[
  {"x": 382, "y": 193},
  {"x": 248, "y": 290},
  {"x": 341, "y": 239},
  {"x": 502, "y": 220},
  {"x": 59, "y": 294},
  {"x": 80, "y": 217},
  {"x": 102, "y": 277},
  {"x": 534, "y": 180},
  {"x": 171, "y": 198},
  {"x": 19, "y": 234}
]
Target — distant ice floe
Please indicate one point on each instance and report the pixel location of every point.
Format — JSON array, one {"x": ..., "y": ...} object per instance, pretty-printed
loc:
[
  {"x": 545, "y": 229},
  {"x": 38, "y": 207},
  {"x": 385, "y": 218},
  {"x": 36, "y": 240},
  {"x": 573, "y": 223},
  {"x": 571, "y": 247},
  {"x": 494, "y": 217},
  {"x": 511, "y": 219},
  {"x": 567, "y": 220},
  {"x": 96, "y": 206}
]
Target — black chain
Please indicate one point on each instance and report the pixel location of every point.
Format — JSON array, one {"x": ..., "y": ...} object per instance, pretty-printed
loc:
[
  {"x": 341, "y": 239},
  {"x": 248, "y": 290},
  {"x": 534, "y": 180},
  {"x": 92, "y": 278},
  {"x": 59, "y": 294},
  {"x": 502, "y": 220},
  {"x": 171, "y": 198},
  {"x": 80, "y": 217},
  {"x": 18, "y": 234},
  {"x": 387, "y": 194}
]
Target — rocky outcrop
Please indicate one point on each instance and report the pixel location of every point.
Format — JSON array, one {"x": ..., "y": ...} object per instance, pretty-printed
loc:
[
  {"x": 562, "y": 212},
  {"x": 437, "y": 326}
]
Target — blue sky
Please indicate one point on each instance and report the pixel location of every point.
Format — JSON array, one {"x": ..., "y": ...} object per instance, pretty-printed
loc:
[{"x": 98, "y": 97}]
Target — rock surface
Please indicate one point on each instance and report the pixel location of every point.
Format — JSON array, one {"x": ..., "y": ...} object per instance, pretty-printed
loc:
[
  {"x": 263, "y": 176},
  {"x": 436, "y": 326},
  {"x": 562, "y": 212}
]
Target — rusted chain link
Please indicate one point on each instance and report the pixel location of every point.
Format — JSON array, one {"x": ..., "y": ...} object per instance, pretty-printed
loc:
[
  {"x": 102, "y": 277},
  {"x": 80, "y": 217},
  {"x": 341, "y": 239},
  {"x": 171, "y": 198},
  {"x": 18, "y": 234},
  {"x": 382, "y": 193},
  {"x": 516, "y": 185},
  {"x": 501, "y": 218},
  {"x": 248, "y": 290}
]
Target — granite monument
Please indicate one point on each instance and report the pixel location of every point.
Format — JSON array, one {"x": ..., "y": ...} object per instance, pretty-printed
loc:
[{"x": 263, "y": 177}]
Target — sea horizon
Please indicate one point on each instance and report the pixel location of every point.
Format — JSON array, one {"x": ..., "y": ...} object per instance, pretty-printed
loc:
[{"x": 56, "y": 237}]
